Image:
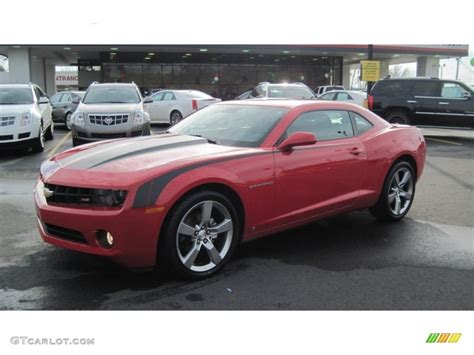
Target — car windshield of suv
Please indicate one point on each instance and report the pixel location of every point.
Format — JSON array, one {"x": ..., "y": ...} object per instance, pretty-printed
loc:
[
  {"x": 111, "y": 95},
  {"x": 15, "y": 96},
  {"x": 240, "y": 126},
  {"x": 290, "y": 92}
]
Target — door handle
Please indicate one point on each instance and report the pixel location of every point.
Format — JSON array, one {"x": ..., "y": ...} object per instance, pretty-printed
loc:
[
  {"x": 444, "y": 103},
  {"x": 411, "y": 101},
  {"x": 355, "y": 151}
]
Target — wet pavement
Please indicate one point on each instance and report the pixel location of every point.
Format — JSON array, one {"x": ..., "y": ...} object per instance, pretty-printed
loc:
[{"x": 425, "y": 261}]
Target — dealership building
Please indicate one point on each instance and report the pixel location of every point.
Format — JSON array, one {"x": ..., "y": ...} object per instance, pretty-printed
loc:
[{"x": 221, "y": 70}]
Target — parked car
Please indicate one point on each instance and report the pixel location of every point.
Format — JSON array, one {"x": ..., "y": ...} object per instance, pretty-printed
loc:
[
  {"x": 423, "y": 101},
  {"x": 296, "y": 91},
  {"x": 171, "y": 106},
  {"x": 109, "y": 111},
  {"x": 64, "y": 104},
  {"x": 25, "y": 117},
  {"x": 356, "y": 97},
  {"x": 232, "y": 171},
  {"x": 323, "y": 89}
]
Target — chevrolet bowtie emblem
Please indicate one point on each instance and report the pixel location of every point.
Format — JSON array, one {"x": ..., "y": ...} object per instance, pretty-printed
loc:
[{"x": 47, "y": 192}]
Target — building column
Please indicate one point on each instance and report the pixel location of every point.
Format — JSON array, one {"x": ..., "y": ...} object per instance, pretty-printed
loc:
[
  {"x": 346, "y": 76},
  {"x": 37, "y": 71},
  {"x": 19, "y": 65},
  {"x": 50, "y": 79},
  {"x": 427, "y": 66}
]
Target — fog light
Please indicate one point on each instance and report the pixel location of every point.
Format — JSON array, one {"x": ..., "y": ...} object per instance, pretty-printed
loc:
[{"x": 106, "y": 240}]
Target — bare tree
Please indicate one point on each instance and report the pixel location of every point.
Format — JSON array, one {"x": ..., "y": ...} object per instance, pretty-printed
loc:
[{"x": 397, "y": 71}]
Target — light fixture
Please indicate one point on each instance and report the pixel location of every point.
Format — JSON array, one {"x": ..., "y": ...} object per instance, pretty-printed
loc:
[
  {"x": 360, "y": 54},
  {"x": 188, "y": 54},
  {"x": 147, "y": 58},
  {"x": 286, "y": 52},
  {"x": 16, "y": 46},
  {"x": 151, "y": 53},
  {"x": 251, "y": 57},
  {"x": 396, "y": 55},
  {"x": 203, "y": 50},
  {"x": 67, "y": 48},
  {"x": 245, "y": 50},
  {"x": 277, "y": 60},
  {"x": 114, "y": 49},
  {"x": 293, "y": 56},
  {"x": 315, "y": 59}
]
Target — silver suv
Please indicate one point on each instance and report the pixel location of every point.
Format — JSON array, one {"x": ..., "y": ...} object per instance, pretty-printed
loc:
[{"x": 109, "y": 111}]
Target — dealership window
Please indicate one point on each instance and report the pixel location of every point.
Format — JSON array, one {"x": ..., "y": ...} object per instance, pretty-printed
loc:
[
  {"x": 152, "y": 75},
  {"x": 325, "y": 125}
]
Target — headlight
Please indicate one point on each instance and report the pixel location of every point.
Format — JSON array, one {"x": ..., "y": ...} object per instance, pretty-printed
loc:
[
  {"x": 138, "y": 117},
  {"x": 110, "y": 198},
  {"x": 26, "y": 119},
  {"x": 78, "y": 119}
]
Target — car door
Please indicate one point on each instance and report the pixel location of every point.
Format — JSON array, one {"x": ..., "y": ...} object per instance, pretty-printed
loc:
[
  {"x": 63, "y": 105},
  {"x": 456, "y": 106},
  {"x": 169, "y": 103},
  {"x": 154, "y": 107},
  {"x": 55, "y": 104},
  {"x": 425, "y": 95},
  {"x": 324, "y": 177},
  {"x": 44, "y": 108}
]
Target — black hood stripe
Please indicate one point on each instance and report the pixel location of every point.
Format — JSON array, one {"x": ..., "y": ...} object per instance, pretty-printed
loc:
[
  {"x": 96, "y": 156},
  {"x": 148, "y": 193}
]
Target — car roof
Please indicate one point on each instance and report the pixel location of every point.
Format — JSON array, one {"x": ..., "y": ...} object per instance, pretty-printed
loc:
[
  {"x": 282, "y": 103},
  {"x": 16, "y": 85}
]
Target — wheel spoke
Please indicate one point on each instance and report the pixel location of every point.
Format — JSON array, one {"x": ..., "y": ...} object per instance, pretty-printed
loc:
[
  {"x": 398, "y": 205},
  {"x": 405, "y": 178},
  {"x": 192, "y": 255},
  {"x": 225, "y": 226},
  {"x": 397, "y": 178},
  {"x": 206, "y": 212},
  {"x": 213, "y": 252},
  {"x": 406, "y": 195},
  {"x": 186, "y": 229},
  {"x": 391, "y": 197}
]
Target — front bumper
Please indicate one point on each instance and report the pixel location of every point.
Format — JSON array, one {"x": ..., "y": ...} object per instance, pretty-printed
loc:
[
  {"x": 18, "y": 136},
  {"x": 86, "y": 136},
  {"x": 135, "y": 232}
]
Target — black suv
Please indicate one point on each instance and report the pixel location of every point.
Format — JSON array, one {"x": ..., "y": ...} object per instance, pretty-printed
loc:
[{"x": 423, "y": 101}]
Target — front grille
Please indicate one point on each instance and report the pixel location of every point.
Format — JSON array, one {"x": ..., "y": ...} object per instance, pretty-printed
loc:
[
  {"x": 7, "y": 121},
  {"x": 65, "y": 233},
  {"x": 136, "y": 133},
  {"x": 108, "y": 135},
  {"x": 82, "y": 134},
  {"x": 6, "y": 138},
  {"x": 58, "y": 194},
  {"x": 23, "y": 135},
  {"x": 108, "y": 120}
]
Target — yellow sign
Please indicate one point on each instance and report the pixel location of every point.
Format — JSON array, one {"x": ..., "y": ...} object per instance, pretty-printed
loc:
[{"x": 370, "y": 70}]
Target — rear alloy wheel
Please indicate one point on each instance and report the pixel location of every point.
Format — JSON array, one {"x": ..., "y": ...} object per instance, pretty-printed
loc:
[
  {"x": 67, "y": 121},
  {"x": 49, "y": 135},
  {"x": 175, "y": 117},
  {"x": 397, "y": 195},
  {"x": 38, "y": 142},
  {"x": 201, "y": 236},
  {"x": 398, "y": 117}
]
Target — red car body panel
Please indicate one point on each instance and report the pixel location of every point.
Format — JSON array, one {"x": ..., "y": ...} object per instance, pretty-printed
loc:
[{"x": 277, "y": 189}]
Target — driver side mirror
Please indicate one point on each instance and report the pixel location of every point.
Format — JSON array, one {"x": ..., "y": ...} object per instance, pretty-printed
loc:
[
  {"x": 147, "y": 100},
  {"x": 466, "y": 95},
  {"x": 297, "y": 139}
]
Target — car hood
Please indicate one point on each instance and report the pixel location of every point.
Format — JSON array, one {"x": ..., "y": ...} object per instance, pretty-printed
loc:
[
  {"x": 122, "y": 161},
  {"x": 15, "y": 109},
  {"x": 109, "y": 108}
]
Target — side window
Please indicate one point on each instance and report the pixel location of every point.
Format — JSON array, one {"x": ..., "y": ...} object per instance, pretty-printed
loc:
[
  {"x": 158, "y": 96},
  {"x": 344, "y": 96},
  {"x": 328, "y": 96},
  {"x": 362, "y": 125},
  {"x": 56, "y": 98},
  {"x": 452, "y": 91},
  {"x": 41, "y": 92},
  {"x": 325, "y": 125},
  {"x": 168, "y": 96},
  {"x": 37, "y": 93},
  {"x": 426, "y": 88},
  {"x": 66, "y": 98}
]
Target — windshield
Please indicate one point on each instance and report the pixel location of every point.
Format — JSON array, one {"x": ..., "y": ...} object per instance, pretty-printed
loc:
[
  {"x": 15, "y": 96},
  {"x": 290, "y": 92},
  {"x": 111, "y": 94},
  {"x": 235, "y": 125}
]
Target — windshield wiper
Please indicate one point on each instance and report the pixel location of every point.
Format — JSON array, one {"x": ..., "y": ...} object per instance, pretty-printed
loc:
[{"x": 200, "y": 136}]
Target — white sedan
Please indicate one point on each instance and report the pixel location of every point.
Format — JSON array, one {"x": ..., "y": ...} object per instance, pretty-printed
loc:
[
  {"x": 356, "y": 97},
  {"x": 171, "y": 106}
]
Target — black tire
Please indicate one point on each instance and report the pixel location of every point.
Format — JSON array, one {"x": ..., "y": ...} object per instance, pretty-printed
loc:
[
  {"x": 398, "y": 117},
  {"x": 49, "y": 135},
  {"x": 175, "y": 117},
  {"x": 38, "y": 143},
  {"x": 67, "y": 121},
  {"x": 383, "y": 210},
  {"x": 75, "y": 142},
  {"x": 146, "y": 131},
  {"x": 169, "y": 259}
]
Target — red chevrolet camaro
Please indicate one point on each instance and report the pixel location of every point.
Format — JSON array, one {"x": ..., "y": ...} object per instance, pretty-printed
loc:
[{"x": 185, "y": 198}]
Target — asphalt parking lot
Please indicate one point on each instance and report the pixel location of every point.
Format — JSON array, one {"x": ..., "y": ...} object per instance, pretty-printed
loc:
[{"x": 426, "y": 261}]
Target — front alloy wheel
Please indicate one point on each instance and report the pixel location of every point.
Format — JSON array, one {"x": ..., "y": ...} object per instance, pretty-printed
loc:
[{"x": 199, "y": 236}]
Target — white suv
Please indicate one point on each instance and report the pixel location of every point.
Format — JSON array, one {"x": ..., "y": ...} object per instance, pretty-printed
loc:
[
  {"x": 110, "y": 111},
  {"x": 25, "y": 116}
]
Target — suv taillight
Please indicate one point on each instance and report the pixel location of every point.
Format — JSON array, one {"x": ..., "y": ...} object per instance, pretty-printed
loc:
[
  {"x": 371, "y": 102},
  {"x": 194, "y": 104}
]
